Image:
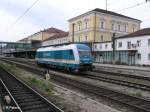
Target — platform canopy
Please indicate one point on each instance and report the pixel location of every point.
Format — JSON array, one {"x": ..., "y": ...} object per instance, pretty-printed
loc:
[{"x": 6, "y": 47}]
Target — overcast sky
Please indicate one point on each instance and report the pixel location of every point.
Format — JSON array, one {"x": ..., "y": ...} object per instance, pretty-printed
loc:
[{"x": 55, "y": 13}]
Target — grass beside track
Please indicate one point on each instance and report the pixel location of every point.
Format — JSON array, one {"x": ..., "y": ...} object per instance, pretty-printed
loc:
[
  {"x": 32, "y": 80},
  {"x": 46, "y": 87}
]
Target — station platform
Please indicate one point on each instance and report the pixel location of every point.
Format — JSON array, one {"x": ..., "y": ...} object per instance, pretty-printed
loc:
[
  {"x": 124, "y": 66},
  {"x": 125, "y": 69}
]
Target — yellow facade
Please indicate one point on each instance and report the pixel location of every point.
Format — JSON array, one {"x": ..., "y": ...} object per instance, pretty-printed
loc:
[
  {"x": 88, "y": 27},
  {"x": 40, "y": 36}
]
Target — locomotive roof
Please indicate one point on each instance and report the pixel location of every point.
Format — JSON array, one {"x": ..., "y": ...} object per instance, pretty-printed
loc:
[{"x": 64, "y": 47}]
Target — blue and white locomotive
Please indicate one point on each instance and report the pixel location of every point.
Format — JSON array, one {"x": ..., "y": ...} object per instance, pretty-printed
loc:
[{"x": 70, "y": 57}]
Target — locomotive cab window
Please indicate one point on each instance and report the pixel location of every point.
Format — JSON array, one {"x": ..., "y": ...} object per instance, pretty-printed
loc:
[{"x": 84, "y": 53}]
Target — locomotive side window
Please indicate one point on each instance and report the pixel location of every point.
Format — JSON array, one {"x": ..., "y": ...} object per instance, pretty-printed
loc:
[
  {"x": 57, "y": 54},
  {"x": 70, "y": 54}
]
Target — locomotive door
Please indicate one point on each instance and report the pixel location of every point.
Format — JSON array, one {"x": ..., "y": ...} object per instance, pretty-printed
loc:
[{"x": 71, "y": 56}]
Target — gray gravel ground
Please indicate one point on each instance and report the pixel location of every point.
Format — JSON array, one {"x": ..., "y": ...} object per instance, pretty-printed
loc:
[
  {"x": 76, "y": 101},
  {"x": 84, "y": 103},
  {"x": 72, "y": 101}
]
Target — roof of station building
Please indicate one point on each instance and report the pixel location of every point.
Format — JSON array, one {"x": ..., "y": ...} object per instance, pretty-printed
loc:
[
  {"x": 107, "y": 12},
  {"x": 142, "y": 32},
  {"x": 58, "y": 35}
]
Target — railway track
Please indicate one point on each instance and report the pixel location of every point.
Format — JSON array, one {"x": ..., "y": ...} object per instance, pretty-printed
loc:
[
  {"x": 21, "y": 60},
  {"x": 136, "y": 103},
  {"x": 143, "y": 84},
  {"x": 7, "y": 101},
  {"x": 119, "y": 79},
  {"x": 27, "y": 99}
]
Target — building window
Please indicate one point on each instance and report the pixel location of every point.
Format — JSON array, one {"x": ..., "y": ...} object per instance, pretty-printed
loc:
[
  {"x": 102, "y": 38},
  {"x": 125, "y": 28},
  {"x": 149, "y": 56},
  {"x": 79, "y": 26},
  {"x": 106, "y": 45},
  {"x": 95, "y": 46},
  {"x": 139, "y": 56},
  {"x": 79, "y": 38},
  {"x": 102, "y": 24},
  {"x": 112, "y": 45},
  {"x": 86, "y": 25},
  {"x": 100, "y": 46},
  {"x": 133, "y": 29},
  {"x": 119, "y": 27},
  {"x": 138, "y": 43},
  {"x": 86, "y": 37},
  {"x": 120, "y": 44},
  {"x": 74, "y": 28},
  {"x": 112, "y": 26},
  {"x": 148, "y": 42},
  {"x": 129, "y": 45}
]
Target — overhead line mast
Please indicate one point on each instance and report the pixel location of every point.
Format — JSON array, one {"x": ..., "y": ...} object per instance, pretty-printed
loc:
[{"x": 106, "y": 5}]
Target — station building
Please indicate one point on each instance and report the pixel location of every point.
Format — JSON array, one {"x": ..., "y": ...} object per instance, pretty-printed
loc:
[
  {"x": 60, "y": 38},
  {"x": 131, "y": 49},
  {"x": 98, "y": 25},
  {"x": 96, "y": 28},
  {"x": 36, "y": 39}
]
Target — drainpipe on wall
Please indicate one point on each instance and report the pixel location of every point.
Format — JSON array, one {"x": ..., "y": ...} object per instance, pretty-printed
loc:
[{"x": 73, "y": 32}]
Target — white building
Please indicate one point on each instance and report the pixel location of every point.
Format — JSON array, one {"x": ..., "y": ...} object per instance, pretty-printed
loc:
[
  {"x": 57, "y": 39},
  {"x": 132, "y": 49}
]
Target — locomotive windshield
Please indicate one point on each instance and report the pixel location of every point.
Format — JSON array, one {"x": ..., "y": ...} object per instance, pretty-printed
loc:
[{"x": 83, "y": 52}]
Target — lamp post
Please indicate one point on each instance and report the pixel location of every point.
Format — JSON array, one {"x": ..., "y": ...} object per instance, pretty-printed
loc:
[
  {"x": 106, "y": 5},
  {"x": 73, "y": 32},
  {"x": 113, "y": 46}
]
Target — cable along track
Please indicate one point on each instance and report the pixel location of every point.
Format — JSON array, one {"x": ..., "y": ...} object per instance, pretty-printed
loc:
[{"x": 27, "y": 99}]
